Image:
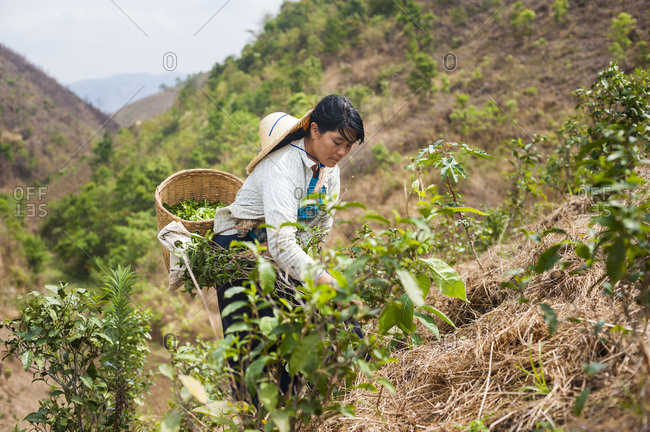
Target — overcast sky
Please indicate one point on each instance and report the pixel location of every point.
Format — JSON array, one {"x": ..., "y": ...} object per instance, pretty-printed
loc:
[{"x": 73, "y": 40}]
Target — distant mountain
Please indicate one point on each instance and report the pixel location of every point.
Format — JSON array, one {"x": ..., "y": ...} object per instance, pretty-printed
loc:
[
  {"x": 112, "y": 93},
  {"x": 44, "y": 127}
]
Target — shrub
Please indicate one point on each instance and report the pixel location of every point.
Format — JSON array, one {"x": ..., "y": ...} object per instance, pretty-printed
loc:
[
  {"x": 521, "y": 19},
  {"x": 560, "y": 8},
  {"x": 90, "y": 349},
  {"x": 619, "y": 33},
  {"x": 421, "y": 78}
]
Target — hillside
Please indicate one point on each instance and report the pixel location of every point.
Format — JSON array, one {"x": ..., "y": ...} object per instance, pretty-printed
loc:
[
  {"x": 111, "y": 93},
  {"x": 42, "y": 124},
  {"x": 146, "y": 108},
  {"x": 513, "y": 77},
  {"x": 477, "y": 375}
]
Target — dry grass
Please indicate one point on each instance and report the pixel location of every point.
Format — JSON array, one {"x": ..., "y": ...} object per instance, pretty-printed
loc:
[{"x": 474, "y": 373}]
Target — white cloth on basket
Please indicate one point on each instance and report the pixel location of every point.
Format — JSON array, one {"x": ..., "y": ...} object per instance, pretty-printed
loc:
[{"x": 171, "y": 234}]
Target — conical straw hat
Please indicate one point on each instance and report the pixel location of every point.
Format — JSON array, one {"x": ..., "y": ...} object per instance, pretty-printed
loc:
[{"x": 273, "y": 129}]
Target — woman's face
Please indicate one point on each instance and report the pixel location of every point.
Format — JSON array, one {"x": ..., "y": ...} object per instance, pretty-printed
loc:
[{"x": 329, "y": 147}]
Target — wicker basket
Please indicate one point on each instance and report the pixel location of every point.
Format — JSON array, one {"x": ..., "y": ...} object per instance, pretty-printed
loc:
[{"x": 195, "y": 184}]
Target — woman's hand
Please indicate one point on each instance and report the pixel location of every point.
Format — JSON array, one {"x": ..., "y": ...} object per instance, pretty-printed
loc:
[{"x": 326, "y": 278}]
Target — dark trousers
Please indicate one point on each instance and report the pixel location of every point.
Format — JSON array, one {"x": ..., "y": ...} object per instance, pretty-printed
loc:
[{"x": 224, "y": 241}]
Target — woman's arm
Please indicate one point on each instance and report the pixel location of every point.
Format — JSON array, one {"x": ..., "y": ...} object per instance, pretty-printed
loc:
[{"x": 280, "y": 206}]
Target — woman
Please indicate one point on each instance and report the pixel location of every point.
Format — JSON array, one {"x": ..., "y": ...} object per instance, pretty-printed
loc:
[{"x": 298, "y": 157}]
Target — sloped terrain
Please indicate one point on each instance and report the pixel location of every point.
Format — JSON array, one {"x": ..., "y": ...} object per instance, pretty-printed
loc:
[
  {"x": 473, "y": 373},
  {"x": 42, "y": 124}
]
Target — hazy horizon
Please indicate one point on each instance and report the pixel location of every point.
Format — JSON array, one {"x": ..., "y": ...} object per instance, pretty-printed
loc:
[{"x": 129, "y": 38}]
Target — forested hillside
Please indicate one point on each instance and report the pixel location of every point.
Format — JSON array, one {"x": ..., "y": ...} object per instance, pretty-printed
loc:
[
  {"x": 511, "y": 76},
  {"x": 42, "y": 123},
  {"x": 497, "y": 76}
]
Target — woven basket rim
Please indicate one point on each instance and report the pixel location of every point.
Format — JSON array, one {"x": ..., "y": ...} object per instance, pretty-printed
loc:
[{"x": 161, "y": 186}]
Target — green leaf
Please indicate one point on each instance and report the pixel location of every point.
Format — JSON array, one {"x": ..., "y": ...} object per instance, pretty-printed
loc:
[
  {"x": 387, "y": 384},
  {"x": 468, "y": 210},
  {"x": 550, "y": 317},
  {"x": 429, "y": 323},
  {"x": 388, "y": 316},
  {"x": 339, "y": 278},
  {"x": 616, "y": 260},
  {"x": 364, "y": 367},
  {"x": 268, "y": 394},
  {"x": 32, "y": 333},
  {"x": 254, "y": 370},
  {"x": 411, "y": 287},
  {"x": 593, "y": 368},
  {"x": 303, "y": 358},
  {"x": 439, "y": 314},
  {"x": 233, "y": 290},
  {"x": 195, "y": 388},
  {"x": 27, "y": 359},
  {"x": 166, "y": 370},
  {"x": 446, "y": 278},
  {"x": 88, "y": 381},
  {"x": 598, "y": 326},
  {"x": 378, "y": 218},
  {"x": 267, "y": 324},
  {"x": 233, "y": 307},
  {"x": 581, "y": 400},
  {"x": 424, "y": 283},
  {"x": 281, "y": 420},
  {"x": 36, "y": 417},
  {"x": 582, "y": 251},
  {"x": 405, "y": 318},
  {"x": 53, "y": 288},
  {"x": 77, "y": 400},
  {"x": 237, "y": 327},
  {"x": 171, "y": 422},
  {"x": 547, "y": 259},
  {"x": 366, "y": 386},
  {"x": 267, "y": 275}
]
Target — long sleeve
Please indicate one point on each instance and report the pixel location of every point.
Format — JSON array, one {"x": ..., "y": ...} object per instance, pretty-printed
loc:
[{"x": 280, "y": 206}]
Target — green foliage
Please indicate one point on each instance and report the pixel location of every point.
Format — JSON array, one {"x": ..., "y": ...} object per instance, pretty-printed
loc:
[
  {"x": 441, "y": 155},
  {"x": 303, "y": 332},
  {"x": 560, "y": 8},
  {"x": 192, "y": 210},
  {"x": 619, "y": 33},
  {"x": 471, "y": 121},
  {"x": 106, "y": 216},
  {"x": 421, "y": 78},
  {"x": 383, "y": 157},
  {"x": 616, "y": 134},
  {"x": 382, "y": 278},
  {"x": 359, "y": 95},
  {"x": 90, "y": 349},
  {"x": 212, "y": 264},
  {"x": 540, "y": 386},
  {"x": 521, "y": 19},
  {"x": 462, "y": 99},
  {"x": 600, "y": 162},
  {"x": 477, "y": 425},
  {"x": 524, "y": 177},
  {"x": 103, "y": 150},
  {"x": 33, "y": 250}
]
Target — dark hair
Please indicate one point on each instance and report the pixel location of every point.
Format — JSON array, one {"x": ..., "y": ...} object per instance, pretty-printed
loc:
[{"x": 334, "y": 112}]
